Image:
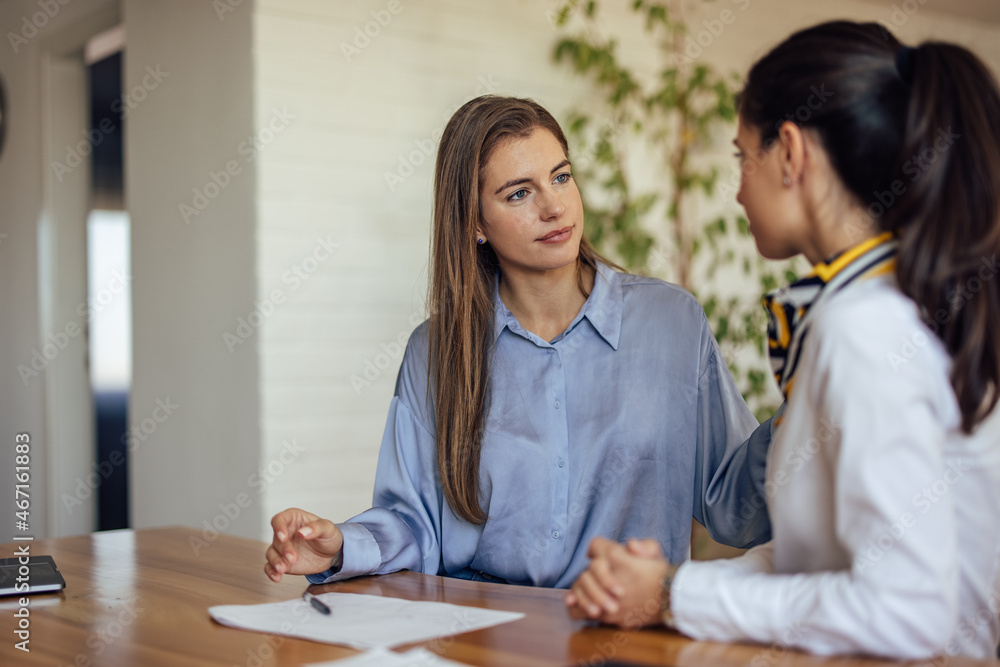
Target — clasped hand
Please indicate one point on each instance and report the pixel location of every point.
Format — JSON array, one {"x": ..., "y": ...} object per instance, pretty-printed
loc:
[{"x": 622, "y": 584}]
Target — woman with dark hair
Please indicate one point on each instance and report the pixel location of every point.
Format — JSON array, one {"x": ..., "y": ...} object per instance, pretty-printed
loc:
[
  {"x": 548, "y": 400},
  {"x": 881, "y": 164}
]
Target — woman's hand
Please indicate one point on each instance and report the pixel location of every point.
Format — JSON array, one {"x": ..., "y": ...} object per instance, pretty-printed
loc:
[
  {"x": 622, "y": 584},
  {"x": 303, "y": 544}
]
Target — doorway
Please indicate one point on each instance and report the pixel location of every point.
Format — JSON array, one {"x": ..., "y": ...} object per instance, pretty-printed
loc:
[
  {"x": 109, "y": 299},
  {"x": 69, "y": 472}
]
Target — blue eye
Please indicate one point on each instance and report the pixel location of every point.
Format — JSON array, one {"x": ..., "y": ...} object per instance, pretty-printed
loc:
[
  {"x": 563, "y": 178},
  {"x": 520, "y": 194}
]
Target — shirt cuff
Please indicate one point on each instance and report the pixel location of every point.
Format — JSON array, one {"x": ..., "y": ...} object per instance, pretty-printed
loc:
[
  {"x": 684, "y": 597},
  {"x": 359, "y": 556},
  {"x": 700, "y": 602}
]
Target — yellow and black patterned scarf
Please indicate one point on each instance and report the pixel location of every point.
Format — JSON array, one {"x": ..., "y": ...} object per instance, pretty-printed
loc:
[{"x": 788, "y": 308}]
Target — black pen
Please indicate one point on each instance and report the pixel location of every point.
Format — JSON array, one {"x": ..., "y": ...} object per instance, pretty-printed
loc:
[{"x": 316, "y": 603}]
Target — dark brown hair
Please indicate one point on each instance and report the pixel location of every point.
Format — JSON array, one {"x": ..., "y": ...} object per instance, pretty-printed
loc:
[
  {"x": 463, "y": 283},
  {"x": 914, "y": 135}
]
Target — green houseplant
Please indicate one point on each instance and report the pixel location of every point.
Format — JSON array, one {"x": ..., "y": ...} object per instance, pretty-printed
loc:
[{"x": 675, "y": 114}]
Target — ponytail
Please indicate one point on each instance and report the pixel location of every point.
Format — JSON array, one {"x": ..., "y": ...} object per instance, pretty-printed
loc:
[
  {"x": 914, "y": 135},
  {"x": 949, "y": 221}
]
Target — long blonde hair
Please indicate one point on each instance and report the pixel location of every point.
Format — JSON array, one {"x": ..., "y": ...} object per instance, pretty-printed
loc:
[{"x": 462, "y": 286}]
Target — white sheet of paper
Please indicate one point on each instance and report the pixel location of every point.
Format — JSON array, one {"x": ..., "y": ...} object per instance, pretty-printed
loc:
[
  {"x": 361, "y": 621},
  {"x": 380, "y": 657}
]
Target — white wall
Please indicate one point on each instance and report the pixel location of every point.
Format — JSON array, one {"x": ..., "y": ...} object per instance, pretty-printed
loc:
[{"x": 190, "y": 75}]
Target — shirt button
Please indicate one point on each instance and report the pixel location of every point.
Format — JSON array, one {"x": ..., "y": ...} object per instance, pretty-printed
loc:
[
  {"x": 561, "y": 463},
  {"x": 557, "y": 405},
  {"x": 555, "y": 534},
  {"x": 551, "y": 350}
]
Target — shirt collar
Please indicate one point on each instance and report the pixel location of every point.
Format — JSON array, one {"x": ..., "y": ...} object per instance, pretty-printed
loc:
[{"x": 603, "y": 308}]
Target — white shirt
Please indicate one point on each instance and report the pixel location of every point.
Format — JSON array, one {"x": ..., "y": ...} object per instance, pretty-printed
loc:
[{"x": 886, "y": 518}]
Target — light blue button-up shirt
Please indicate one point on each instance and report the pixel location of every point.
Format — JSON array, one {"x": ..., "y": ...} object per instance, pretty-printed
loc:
[{"x": 624, "y": 426}]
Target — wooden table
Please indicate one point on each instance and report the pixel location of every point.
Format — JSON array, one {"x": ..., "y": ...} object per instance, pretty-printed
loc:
[{"x": 140, "y": 599}]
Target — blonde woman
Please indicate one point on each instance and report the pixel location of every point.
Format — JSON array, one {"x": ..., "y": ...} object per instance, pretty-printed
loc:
[{"x": 548, "y": 400}]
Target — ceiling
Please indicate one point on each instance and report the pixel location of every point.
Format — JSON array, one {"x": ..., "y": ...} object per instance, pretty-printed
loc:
[{"x": 978, "y": 10}]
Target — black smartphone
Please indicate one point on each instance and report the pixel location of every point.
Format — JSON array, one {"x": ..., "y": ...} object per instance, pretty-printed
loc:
[{"x": 38, "y": 575}]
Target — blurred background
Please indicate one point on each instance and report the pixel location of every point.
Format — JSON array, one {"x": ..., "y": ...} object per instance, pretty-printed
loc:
[{"x": 215, "y": 215}]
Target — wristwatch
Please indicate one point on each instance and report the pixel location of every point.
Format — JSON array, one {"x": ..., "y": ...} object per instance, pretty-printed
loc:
[{"x": 666, "y": 614}]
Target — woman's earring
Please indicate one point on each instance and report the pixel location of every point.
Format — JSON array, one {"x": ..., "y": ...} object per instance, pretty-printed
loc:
[
  {"x": 480, "y": 241},
  {"x": 786, "y": 181}
]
